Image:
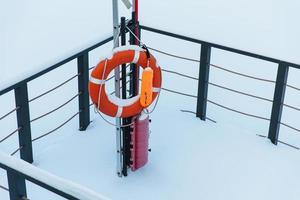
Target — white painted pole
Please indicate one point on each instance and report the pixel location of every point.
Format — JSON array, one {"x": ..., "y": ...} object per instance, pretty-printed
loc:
[{"x": 119, "y": 137}]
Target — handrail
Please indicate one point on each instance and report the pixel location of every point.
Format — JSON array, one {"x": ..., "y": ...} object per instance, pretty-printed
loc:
[
  {"x": 60, "y": 186},
  {"x": 217, "y": 46},
  {"x": 54, "y": 66}
]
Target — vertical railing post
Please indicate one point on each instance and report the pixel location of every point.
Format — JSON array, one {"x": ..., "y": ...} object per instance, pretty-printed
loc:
[
  {"x": 203, "y": 81},
  {"x": 278, "y": 100},
  {"x": 23, "y": 119},
  {"x": 83, "y": 79},
  {"x": 134, "y": 78},
  {"x": 16, "y": 185}
]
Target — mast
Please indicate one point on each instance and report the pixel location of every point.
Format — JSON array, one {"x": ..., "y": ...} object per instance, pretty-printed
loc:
[{"x": 117, "y": 87}]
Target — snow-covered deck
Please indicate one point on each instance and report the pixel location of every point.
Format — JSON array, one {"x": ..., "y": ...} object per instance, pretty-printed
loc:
[{"x": 190, "y": 159}]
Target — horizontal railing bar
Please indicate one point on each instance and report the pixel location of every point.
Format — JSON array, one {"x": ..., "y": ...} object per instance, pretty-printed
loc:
[
  {"x": 9, "y": 135},
  {"x": 230, "y": 49},
  {"x": 291, "y": 107},
  {"x": 55, "y": 109},
  {"x": 181, "y": 93},
  {"x": 55, "y": 129},
  {"x": 239, "y": 92},
  {"x": 10, "y": 112},
  {"x": 263, "y": 136},
  {"x": 54, "y": 88},
  {"x": 219, "y": 86},
  {"x": 179, "y": 74},
  {"x": 293, "y": 87},
  {"x": 291, "y": 127},
  {"x": 4, "y": 188},
  {"x": 241, "y": 74},
  {"x": 16, "y": 151},
  {"x": 237, "y": 111},
  {"x": 26, "y": 80},
  {"x": 53, "y": 183},
  {"x": 219, "y": 105}
]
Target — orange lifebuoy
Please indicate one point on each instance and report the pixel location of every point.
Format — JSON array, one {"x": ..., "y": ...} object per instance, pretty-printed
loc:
[{"x": 112, "y": 105}]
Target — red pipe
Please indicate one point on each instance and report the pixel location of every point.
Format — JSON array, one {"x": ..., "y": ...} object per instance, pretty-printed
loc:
[{"x": 136, "y": 9}]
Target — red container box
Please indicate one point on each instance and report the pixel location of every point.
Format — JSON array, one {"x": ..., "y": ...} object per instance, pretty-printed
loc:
[{"x": 140, "y": 143}]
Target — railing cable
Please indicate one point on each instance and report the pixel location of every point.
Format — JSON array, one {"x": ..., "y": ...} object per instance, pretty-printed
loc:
[
  {"x": 180, "y": 74},
  {"x": 263, "y": 136},
  {"x": 293, "y": 87},
  {"x": 181, "y": 93},
  {"x": 241, "y": 74},
  {"x": 219, "y": 86},
  {"x": 292, "y": 107},
  {"x": 219, "y": 105},
  {"x": 239, "y": 92},
  {"x": 173, "y": 55},
  {"x": 48, "y": 133},
  {"x": 10, "y": 112},
  {"x": 55, "y": 129},
  {"x": 56, "y": 87},
  {"x": 18, "y": 149},
  {"x": 192, "y": 112},
  {"x": 62, "y": 105},
  {"x": 11, "y": 134},
  {"x": 4, "y": 188},
  {"x": 291, "y": 127},
  {"x": 237, "y": 111}
]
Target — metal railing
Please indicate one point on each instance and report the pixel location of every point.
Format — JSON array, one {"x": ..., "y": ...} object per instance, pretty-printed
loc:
[
  {"x": 22, "y": 109},
  {"x": 203, "y": 81},
  {"x": 22, "y": 102},
  {"x": 18, "y": 171}
]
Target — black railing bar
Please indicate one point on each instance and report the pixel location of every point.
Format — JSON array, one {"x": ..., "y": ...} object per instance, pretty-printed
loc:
[
  {"x": 55, "y": 129},
  {"x": 4, "y": 188},
  {"x": 237, "y": 111},
  {"x": 263, "y": 136},
  {"x": 59, "y": 107},
  {"x": 192, "y": 112},
  {"x": 54, "y": 88},
  {"x": 71, "y": 192},
  {"x": 239, "y": 92},
  {"x": 26, "y": 80},
  {"x": 10, "y": 112},
  {"x": 293, "y": 87},
  {"x": 292, "y": 107},
  {"x": 289, "y": 126},
  {"x": 241, "y": 74},
  {"x": 11, "y": 134},
  {"x": 186, "y": 38},
  {"x": 18, "y": 149},
  {"x": 180, "y": 74}
]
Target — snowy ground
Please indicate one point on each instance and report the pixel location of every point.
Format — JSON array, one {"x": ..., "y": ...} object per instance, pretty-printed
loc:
[{"x": 190, "y": 159}]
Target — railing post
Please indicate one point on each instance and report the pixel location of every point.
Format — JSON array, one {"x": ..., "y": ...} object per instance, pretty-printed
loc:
[
  {"x": 16, "y": 185},
  {"x": 23, "y": 118},
  {"x": 203, "y": 81},
  {"x": 279, "y": 93},
  {"x": 83, "y": 80}
]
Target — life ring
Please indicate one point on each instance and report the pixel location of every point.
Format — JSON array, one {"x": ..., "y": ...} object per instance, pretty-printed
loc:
[{"x": 112, "y": 105}]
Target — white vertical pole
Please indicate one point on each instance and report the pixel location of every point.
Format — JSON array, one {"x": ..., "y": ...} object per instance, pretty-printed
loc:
[{"x": 117, "y": 88}]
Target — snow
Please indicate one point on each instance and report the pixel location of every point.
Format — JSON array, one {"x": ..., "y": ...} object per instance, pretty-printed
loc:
[
  {"x": 264, "y": 27},
  {"x": 54, "y": 181},
  {"x": 190, "y": 159}
]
